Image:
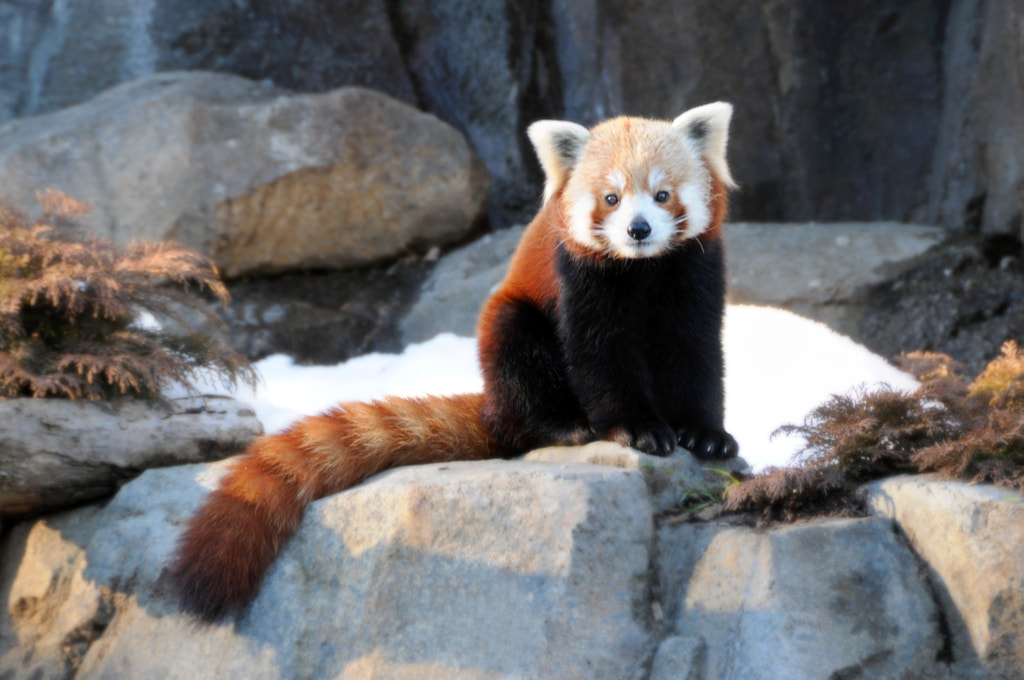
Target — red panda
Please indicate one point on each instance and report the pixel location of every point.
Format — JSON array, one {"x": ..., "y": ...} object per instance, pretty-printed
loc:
[{"x": 607, "y": 326}]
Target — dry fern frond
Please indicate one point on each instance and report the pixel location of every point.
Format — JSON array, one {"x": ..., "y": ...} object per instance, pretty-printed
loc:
[
  {"x": 967, "y": 431},
  {"x": 70, "y": 310}
]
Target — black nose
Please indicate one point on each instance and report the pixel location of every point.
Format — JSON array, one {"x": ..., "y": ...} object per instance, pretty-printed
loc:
[{"x": 639, "y": 229}]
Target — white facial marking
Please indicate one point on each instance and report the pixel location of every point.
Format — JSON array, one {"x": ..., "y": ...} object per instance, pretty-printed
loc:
[
  {"x": 695, "y": 197},
  {"x": 581, "y": 209},
  {"x": 631, "y": 208},
  {"x": 656, "y": 177},
  {"x": 617, "y": 179}
]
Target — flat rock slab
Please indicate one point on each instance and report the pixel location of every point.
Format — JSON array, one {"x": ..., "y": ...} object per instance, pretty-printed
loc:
[
  {"x": 972, "y": 538},
  {"x": 56, "y": 453},
  {"x": 816, "y": 269}
]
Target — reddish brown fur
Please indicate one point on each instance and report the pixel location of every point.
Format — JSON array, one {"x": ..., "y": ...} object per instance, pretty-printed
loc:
[
  {"x": 719, "y": 206},
  {"x": 531, "y": 276},
  {"x": 231, "y": 542}
]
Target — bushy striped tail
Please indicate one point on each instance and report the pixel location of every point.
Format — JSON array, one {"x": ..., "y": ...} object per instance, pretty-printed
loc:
[{"x": 230, "y": 543}]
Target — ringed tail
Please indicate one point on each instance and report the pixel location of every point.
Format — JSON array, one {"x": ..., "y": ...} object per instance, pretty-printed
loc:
[{"x": 229, "y": 544}]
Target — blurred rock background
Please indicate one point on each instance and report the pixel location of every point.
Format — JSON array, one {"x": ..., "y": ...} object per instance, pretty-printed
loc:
[{"x": 905, "y": 111}]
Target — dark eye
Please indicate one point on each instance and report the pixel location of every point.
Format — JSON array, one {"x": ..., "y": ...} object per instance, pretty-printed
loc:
[
  {"x": 661, "y": 196},
  {"x": 611, "y": 199}
]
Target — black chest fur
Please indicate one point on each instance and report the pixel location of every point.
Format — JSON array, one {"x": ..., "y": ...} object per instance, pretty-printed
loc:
[{"x": 645, "y": 335}]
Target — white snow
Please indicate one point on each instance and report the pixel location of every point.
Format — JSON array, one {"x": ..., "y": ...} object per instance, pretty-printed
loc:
[{"x": 779, "y": 366}]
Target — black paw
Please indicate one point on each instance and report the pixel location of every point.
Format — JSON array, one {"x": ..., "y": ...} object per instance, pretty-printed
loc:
[
  {"x": 656, "y": 439},
  {"x": 709, "y": 444}
]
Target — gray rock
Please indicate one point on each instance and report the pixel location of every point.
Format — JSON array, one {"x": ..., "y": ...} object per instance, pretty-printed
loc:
[
  {"x": 820, "y": 270},
  {"x": 670, "y": 481},
  {"x": 977, "y": 180},
  {"x": 496, "y": 569},
  {"x": 56, "y": 453},
  {"x": 828, "y": 599},
  {"x": 475, "y": 65},
  {"x": 460, "y": 283},
  {"x": 679, "y": 658},
  {"x": 489, "y": 570},
  {"x": 972, "y": 539},
  {"x": 255, "y": 177}
]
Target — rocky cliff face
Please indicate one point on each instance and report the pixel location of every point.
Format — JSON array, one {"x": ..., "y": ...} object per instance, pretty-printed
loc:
[{"x": 889, "y": 109}]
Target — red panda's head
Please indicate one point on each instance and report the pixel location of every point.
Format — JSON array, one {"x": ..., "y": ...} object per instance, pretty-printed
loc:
[{"x": 631, "y": 187}]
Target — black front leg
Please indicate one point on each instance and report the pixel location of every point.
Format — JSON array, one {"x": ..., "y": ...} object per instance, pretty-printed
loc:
[
  {"x": 528, "y": 402},
  {"x": 615, "y": 390},
  {"x": 601, "y": 314}
]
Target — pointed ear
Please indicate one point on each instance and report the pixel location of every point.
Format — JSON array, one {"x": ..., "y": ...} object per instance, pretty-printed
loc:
[
  {"x": 558, "y": 145},
  {"x": 707, "y": 128}
]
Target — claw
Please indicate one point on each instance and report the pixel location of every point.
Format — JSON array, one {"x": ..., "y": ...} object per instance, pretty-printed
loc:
[
  {"x": 709, "y": 444},
  {"x": 657, "y": 439}
]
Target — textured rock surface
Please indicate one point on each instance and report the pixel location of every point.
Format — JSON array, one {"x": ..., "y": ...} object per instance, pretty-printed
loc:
[
  {"x": 978, "y": 177},
  {"x": 59, "y": 54},
  {"x": 972, "y": 538},
  {"x": 493, "y": 570},
  {"x": 56, "y": 453},
  {"x": 255, "y": 177},
  {"x": 680, "y": 658},
  {"x": 827, "y": 599}
]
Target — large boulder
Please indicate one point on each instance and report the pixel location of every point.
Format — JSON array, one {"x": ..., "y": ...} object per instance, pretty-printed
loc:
[
  {"x": 469, "y": 63},
  {"x": 56, "y": 453},
  {"x": 259, "y": 179},
  {"x": 485, "y": 570}
]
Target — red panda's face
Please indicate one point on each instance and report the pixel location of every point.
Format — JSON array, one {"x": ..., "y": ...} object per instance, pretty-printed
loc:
[
  {"x": 635, "y": 188},
  {"x": 636, "y": 191}
]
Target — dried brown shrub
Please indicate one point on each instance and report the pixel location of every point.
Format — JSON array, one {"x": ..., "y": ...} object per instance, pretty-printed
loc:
[
  {"x": 959, "y": 430},
  {"x": 71, "y": 311}
]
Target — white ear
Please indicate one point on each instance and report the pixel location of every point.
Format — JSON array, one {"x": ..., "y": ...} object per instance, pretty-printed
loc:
[
  {"x": 559, "y": 145},
  {"x": 707, "y": 128}
]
